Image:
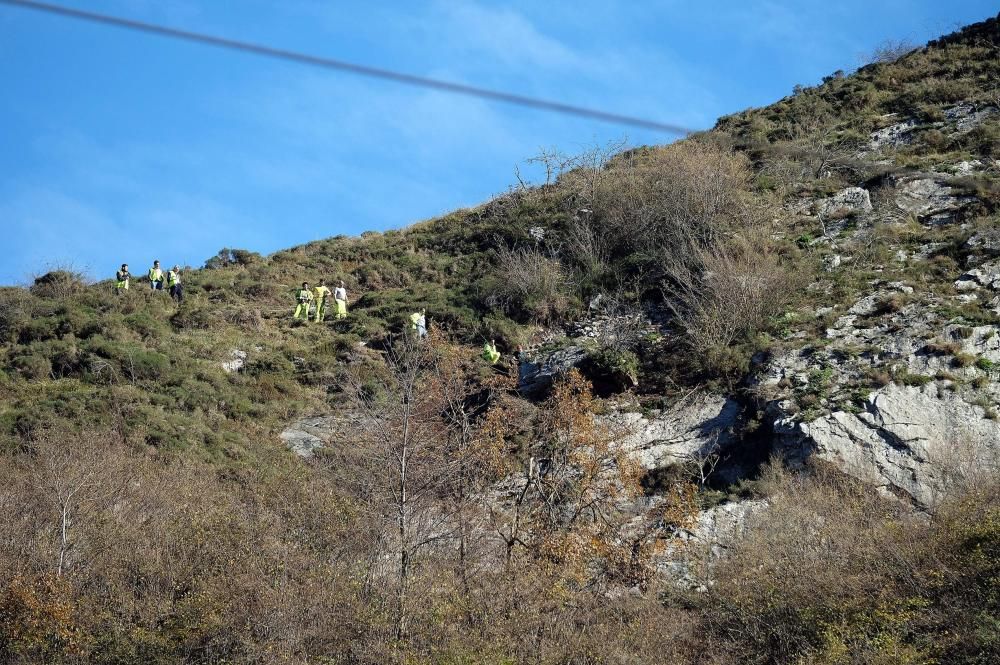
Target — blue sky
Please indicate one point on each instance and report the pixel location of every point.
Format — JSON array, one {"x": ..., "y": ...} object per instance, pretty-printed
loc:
[{"x": 116, "y": 146}]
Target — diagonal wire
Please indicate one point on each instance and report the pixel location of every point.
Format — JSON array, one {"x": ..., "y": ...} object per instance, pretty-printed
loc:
[{"x": 351, "y": 67}]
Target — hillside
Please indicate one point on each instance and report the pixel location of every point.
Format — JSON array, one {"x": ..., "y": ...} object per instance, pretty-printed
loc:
[{"x": 746, "y": 412}]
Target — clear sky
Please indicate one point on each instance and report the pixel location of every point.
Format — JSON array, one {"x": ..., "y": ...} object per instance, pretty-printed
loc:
[{"x": 116, "y": 146}]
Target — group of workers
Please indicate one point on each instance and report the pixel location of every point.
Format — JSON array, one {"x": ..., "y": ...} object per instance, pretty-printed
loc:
[
  {"x": 157, "y": 279},
  {"x": 305, "y": 297}
]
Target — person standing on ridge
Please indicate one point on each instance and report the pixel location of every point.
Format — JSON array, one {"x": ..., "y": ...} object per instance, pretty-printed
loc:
[
  {"x": 340, "y": 297},
  {"x": 322, "y": 295},
  {"x": 174, "y": 282},
  {"x": 303, "y": 297},
  {"x": 155, "y": 277},
  {"x": 418, "y": 322},
  {"x": 490, "y": 353},
  {"x": 121, "y": 279}
]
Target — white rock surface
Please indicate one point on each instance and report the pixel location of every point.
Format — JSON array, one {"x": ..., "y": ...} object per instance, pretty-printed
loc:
[
  {"x": 853, "y": 200},
  {"x": 689, "y": 561},
  {"x": 237, "y": 360},
  {"x": 305, "y": 436},
  {"x": 908, "y": 440},
  {"x": 987, "y": 275},
  {"x": 688, "y": 430},
  {"x": 926, "y": 196},
  {"x": 893, "y": 136}
]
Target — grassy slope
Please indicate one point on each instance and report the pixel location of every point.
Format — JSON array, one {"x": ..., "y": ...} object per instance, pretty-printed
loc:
[{"x": 82, "y": 356}]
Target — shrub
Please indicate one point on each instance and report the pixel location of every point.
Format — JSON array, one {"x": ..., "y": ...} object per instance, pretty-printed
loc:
[
  {"x": 727, "y": 292},
  {"x": 530, "y": 284},
  {"x": 612, "y": 369},
  {"x": 194, "y": 317},
  {"x": 59, "y": 283},
  {"x": 232, "y": 257},
  {"x": 32, "y": 366}
]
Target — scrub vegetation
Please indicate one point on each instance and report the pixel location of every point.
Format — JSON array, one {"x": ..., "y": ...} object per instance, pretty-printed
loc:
[{"x": 149, "y": 513}]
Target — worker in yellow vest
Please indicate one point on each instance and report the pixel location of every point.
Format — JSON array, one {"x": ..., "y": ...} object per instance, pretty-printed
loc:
[
  {"x": 340, "y": 298},
  {"x": 303, "y": 298},
  {"x": 156, "y": 277},
  {"x": 122, "y": 279},
  {"x": 490, "y": 353},
  {"x": 418, "y": 323},
  {"x": 322, "y": 293},
  {"x": 174, "y": 283}
]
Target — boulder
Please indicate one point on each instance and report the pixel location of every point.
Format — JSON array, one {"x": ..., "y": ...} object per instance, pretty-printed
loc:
[
  {"x": 236, "y": 362},
  {"x": 689, "y": 430},
  {"x": 847, "y": 202},
  {"x": 926, "y": 197},
  {"x": 986, "y": 275},
  {"x": 535, "y": 377},
  {"x": 306, "y": 435}
]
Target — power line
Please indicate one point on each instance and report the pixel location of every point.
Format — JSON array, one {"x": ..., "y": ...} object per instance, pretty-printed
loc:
[{"x": 351, "y": 67}]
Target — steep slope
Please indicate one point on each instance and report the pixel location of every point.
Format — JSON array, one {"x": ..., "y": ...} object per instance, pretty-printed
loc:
[{"x": 815, "y": 280}]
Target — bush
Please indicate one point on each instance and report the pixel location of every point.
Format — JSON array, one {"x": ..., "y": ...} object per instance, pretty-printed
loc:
[
  {"x": 725, "y": 293},
  {"x": 58, "y": 284},
  {"x": 232, "y": 257},
  {"x": 530, "y": 284},
  {"x": 32, "y": 366}
]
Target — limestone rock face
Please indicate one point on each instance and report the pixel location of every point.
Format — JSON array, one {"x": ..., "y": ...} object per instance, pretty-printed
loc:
[
  {"x": 716, "y": 529},
  {"x": 925, "y": 197},
  {"x": 688, "y": 430},
  {"x": 907, "y": 440},
  {"x": 306, "y": 435},
  {"x": 853, "y": 200},
  {"x": 535, "y": 377},
  {"x": 893, "y": 136}
]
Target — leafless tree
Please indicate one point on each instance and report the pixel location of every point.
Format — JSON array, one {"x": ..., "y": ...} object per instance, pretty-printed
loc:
[{"x": 400, "y": 468}]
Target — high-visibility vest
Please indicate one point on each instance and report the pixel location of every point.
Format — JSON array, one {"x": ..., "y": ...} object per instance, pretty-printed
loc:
[
  {"x": 417, "y": 319},
  {"x": 321, "y": 293},
  {"x": 304, "y": 295},
  {"x": 173, "y": 278},
  {"x": 122, "y": 278},
  {"x": 155, "y": 275},
  {"x": 490, "y": 353}
]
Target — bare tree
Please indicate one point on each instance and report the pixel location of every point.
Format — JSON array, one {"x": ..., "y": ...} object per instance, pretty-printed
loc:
[
  {"x": 888, "y": 52},
  {"x": 400, "y": 463}
]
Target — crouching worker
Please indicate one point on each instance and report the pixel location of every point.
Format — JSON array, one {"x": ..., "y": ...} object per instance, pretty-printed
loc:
[
  {"x": 418, "y": 323},
  {"x": 490, "y": 353},
  {"x": 174, "y": 282},
  {"x": 303, "y": 297},
  {"x": 121, "y": 279},
  {"x": 340, "y": 298},
  {"x": 321, "y": 297}
]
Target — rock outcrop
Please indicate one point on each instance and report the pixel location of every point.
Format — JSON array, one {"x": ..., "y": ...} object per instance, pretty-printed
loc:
[
  {"x": 910, "y": 441},
  {"x": 689, "y": 430},
  {"x": 535, "y": 377}
]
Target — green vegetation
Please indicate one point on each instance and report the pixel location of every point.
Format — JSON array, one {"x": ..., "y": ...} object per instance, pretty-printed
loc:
[{"x": 149, "y": 513}]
